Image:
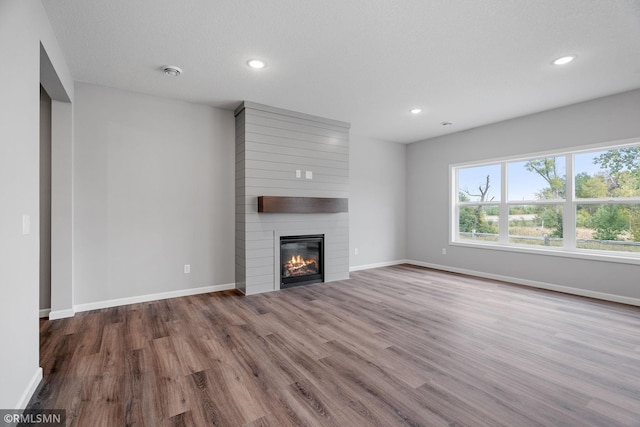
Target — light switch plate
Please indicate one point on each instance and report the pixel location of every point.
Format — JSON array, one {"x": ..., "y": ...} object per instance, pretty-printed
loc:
[
  {"x": 308, "y": 174},
  {"x": 298, "y": 173}
]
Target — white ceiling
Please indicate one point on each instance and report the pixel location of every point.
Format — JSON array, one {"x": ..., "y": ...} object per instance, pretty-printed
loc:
[{"x": 366, "y": 62}]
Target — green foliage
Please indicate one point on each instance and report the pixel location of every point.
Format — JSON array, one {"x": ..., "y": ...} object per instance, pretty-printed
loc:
[
  {"x": 579, "y": 182},
  {"x": 486, "y": 227},
  {"x": 474, "y": 218},
  {"x": 634, "y": 219},
  {"x": 546, "y": 168},
  {"x": 620, "y": 159},
  {"x": 583, "y": 218},
  {"x": 523, "y": 210},
  {"x": 517, "y": 210},
  {"x": 622, "y": 167},
  {"x": 552, "y": 217},
  {"x": 609, "y": 221},
  {"x": 627, "y": 184},
  {"x": 620, "y": 177},
  {"x": 492, "y": 210},
  {"x": 468, "y": 219},
  {"x": 590, "y": 187}
]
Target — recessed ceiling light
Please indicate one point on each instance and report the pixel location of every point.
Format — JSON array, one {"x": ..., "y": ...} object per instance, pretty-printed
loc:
[
  {"x": 171, "y": 70},
  {"x": 564, "y": 60},
  {"x": 256, "y": 63},
  {"x": 446, "y": 123},
  {"x": 415, "y": 110}
]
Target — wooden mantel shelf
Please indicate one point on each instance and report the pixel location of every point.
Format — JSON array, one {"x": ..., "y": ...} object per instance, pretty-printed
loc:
[{"x": 278, "y": 204}]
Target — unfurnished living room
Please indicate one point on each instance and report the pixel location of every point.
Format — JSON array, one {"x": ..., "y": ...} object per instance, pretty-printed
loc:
[{"x": 320, "y": 213}]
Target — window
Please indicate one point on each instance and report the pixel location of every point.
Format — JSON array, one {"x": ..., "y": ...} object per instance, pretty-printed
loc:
[
  {"x": 531, "y": 203},
  {"x": 537, "y": 191},
  {"x": 478, "y": 191},
  {"x": 607, "y": 194}
]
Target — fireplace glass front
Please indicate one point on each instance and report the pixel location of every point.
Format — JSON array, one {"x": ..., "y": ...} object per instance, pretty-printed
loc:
[{"x": 301, "y": 260}]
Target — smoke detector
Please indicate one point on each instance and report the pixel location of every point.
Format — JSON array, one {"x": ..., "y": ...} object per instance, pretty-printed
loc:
[{"x": 171, "y": 70}]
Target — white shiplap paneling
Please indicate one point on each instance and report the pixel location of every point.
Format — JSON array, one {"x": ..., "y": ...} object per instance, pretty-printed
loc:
[{"x": 271, "y": 144}]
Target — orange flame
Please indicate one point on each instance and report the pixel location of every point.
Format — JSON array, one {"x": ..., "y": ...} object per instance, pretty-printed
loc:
[{"x": 297, "y": 262}]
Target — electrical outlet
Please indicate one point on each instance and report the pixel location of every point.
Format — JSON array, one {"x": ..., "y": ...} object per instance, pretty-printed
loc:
[
  {"x": 308, "y": 174},
  {"x": 355, "y": 251},
  {"x": 187, "y": 268},
  {"x": 444, "y": 251}
]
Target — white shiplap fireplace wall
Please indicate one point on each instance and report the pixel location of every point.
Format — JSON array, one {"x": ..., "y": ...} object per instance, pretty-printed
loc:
[{"x": 271, "y": 145}]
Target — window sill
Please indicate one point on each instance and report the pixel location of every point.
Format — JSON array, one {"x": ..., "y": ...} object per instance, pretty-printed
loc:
[{"x": 622, "y": 258}]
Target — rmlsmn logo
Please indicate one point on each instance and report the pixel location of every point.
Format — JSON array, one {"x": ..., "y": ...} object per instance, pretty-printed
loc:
[{"x": 42, "y": 417}]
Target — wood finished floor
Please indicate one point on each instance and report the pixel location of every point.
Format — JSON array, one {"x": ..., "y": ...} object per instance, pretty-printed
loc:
[{"x": 394, "y": 346}]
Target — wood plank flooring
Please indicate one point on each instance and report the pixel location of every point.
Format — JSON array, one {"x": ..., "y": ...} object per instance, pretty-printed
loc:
[{"x": 393, "y": 346}]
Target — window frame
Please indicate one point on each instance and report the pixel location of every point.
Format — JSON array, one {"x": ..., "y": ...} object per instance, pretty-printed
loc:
[{"x": 569, "y": 207}]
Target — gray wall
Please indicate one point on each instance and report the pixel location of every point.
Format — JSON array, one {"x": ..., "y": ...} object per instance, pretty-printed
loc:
[
  {"x": 154, "y": 190},
  {"x": 606, "y": 119},
  {"x": 45, "y": 200},
  {"x": 61, "y": 210},
  {"x": 23, "y": 26},
  {"x": 271, "y": 144},
  {"x": 377, "y": 202}
]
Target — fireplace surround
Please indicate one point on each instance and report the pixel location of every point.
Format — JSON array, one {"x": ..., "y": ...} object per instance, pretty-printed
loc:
[{"x": 292, "y": 179}]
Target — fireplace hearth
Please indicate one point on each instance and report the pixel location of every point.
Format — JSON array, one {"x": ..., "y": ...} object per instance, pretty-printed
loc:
[{"x": 301, "y": 260}]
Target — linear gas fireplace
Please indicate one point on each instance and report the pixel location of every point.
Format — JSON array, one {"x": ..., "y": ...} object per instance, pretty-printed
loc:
[{"x": 301, "y": 260}]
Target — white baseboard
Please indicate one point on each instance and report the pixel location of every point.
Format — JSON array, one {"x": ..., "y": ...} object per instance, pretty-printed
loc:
[
  {"x": 377, "y": 265},
  {"x": 44, "y": 312},
  {"x": 152, "y": 297},
  {"x": 61, "y": 314},
  {"x": 532, "y": 283},
  {"x": 31, "y": 388}
]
